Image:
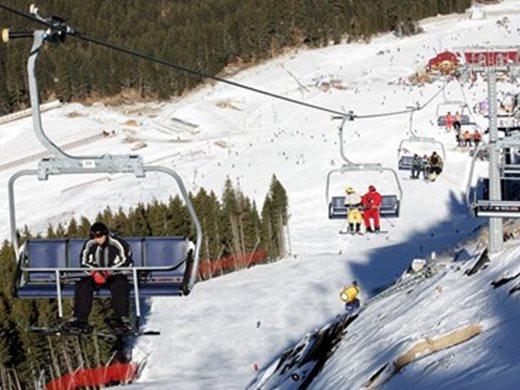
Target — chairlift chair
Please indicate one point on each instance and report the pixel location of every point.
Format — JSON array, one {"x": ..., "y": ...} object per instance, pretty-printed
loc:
[
  {"x": 405, "y": 154},
  {"x": 464, "y": 118},
  {"x": 478, "y": 199},
  {"x": 391, "y": 203},
  {"x": 462, "y": 108},
  {"x": 46, "y": 268}
]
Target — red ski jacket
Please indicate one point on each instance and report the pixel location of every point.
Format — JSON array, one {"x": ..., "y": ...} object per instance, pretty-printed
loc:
[{"x": 371, "y": 200}]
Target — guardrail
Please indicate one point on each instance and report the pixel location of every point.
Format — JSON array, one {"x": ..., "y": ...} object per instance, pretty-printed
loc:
[
  {"x": 44, "y": 154},
  {"x": 27, "y": 112}
]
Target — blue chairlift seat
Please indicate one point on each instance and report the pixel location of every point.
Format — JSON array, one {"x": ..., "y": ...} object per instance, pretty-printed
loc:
[
  {"x": 405, "y": 162},
  {"x": 36, "y": 276},
  {"x": 464, "y": 120},
  {"x": 41, "y": 281},
  {"x": 390, "y": 205}
]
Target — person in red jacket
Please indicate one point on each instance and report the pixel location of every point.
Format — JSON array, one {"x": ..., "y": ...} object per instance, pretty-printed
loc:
[{"x": 371, "y": 202}]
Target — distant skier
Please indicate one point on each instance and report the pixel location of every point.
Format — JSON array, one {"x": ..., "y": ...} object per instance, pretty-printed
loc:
[
  {"x": 371, "y": 203},
  {"x": 436, "y": 164},
  {"x": 449, "y": 121},
  {"x": 457, "y": 125},
  {"x": 467, "y": 138},
  {"x": 416, "y": 166},
  {"x": 349, "y": 295},
  {"x": 354, "y": 217},
  {"x": 425, "y": 167},
  {"x": 102, "y": 250},
  {"x": 457, "y": 118},
  {"x": 477, "y": 137}
]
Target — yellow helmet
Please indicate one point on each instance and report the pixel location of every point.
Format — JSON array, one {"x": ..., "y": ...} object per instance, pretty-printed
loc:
[{"x": 349, "y": 190}]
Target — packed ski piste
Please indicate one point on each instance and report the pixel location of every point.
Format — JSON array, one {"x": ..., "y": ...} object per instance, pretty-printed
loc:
[{"x": 393, "y": 278}]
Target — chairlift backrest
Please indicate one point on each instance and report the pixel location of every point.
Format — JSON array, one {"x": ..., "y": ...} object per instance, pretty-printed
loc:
[{"x": 53, "y": 255}]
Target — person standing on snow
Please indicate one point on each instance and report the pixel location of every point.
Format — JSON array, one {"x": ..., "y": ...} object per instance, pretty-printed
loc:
[
  {"x": 354, "y": 217},
  {"x": 371, "y": 203},
  {"x": 102, "y": 250}
]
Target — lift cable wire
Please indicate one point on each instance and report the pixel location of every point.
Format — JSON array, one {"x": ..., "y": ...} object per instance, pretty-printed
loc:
[{"x": 65, "y": 29}]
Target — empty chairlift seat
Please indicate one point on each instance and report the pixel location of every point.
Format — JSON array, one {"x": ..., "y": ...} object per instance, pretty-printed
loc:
[
  {"x": 405, "y": 162},
  {"x": 41, "y": 257},
  {"x": 167, "y": 260},
  {"x": 161, "y": 264},
  {"x": 389, "y": 207}
]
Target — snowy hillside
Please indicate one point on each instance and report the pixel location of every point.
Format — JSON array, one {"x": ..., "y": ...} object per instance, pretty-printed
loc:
[{"x": 217, "y": 336}]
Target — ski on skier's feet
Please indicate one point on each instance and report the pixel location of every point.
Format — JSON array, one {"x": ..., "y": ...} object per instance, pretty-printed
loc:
[
  {"x": 351, "y": 233},
  {"x": 58, "y": 331}
]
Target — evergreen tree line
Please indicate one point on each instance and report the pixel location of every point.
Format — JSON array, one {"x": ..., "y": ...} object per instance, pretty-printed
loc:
[
  {"x": 231, "y": 226},
  {"x": 205, "y": 36}
]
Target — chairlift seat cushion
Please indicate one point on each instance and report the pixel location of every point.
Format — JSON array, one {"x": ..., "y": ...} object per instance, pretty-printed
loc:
[
  {"x": 75, "y": 246},
  {"x": 389, "y": 207},
  {"x": 464, "y": 120},
  {"x": 162, "y": 252},
  {"x": 45, "y": 254},
  {"x": 405, "y": 162},
  {"x": 64, "y": 253}
]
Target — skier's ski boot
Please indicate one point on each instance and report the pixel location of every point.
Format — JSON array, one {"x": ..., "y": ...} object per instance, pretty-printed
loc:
[
  {"x": 122, "y": 326},
  {"x": 76, "y": 326}
]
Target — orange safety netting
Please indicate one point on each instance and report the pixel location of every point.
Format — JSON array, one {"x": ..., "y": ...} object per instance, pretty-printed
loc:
[
  {"x": 115, "y": 373},
  {"x": 231, "y": 262}
]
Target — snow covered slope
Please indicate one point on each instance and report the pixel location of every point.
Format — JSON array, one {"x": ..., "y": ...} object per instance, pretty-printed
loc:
[{"x": 214, "y": 338}]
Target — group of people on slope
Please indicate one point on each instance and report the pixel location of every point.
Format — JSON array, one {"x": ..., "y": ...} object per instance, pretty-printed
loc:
[
  {"x": 429, "y": 166},
  {"x": 363, "y": 209}
]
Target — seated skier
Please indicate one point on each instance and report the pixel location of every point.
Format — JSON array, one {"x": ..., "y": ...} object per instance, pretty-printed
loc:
[
  {"x": 416, "y": 166},
  {"x": 102, "y": 250},
  {"x": 435, "y": 162},
  {"x": 371, "y": 203},
  {"x": 354, "y": 217}
]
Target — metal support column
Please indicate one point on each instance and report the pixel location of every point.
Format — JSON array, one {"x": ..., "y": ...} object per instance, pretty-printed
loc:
[{"x": 495, "y": 224}]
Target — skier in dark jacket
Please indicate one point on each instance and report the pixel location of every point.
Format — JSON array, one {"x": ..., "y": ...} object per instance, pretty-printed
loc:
[
  {"x": 102, "y": 250},
  {"x": 436, "y": 164}
]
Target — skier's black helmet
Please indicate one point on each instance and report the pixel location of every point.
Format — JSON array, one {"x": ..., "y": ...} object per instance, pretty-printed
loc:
[{"x": 98, "y": 229}]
